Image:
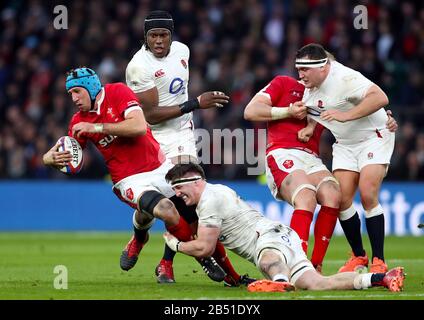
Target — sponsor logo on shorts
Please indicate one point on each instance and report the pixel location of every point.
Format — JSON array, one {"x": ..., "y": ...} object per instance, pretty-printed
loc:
[
  {"x": 288, "y": 164},
  {"x": 370, "y": 155},
  {"x": 320, "y": 104},
  {"x": 184, "y": 63}
]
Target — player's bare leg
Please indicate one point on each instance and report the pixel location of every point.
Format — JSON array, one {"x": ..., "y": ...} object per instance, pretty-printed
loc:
[
  {"x": 272, "y": 266},
  {"x": 349, "y": 220},
  {"x": 312, "y": 280}
]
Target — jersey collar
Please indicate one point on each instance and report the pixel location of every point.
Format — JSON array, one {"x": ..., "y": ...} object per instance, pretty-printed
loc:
[{"x": 100, "y": 101}]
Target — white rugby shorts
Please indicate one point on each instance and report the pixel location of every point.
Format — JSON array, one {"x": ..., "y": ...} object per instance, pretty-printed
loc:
[
  {"x": 130, "y": 188},
  {"x": 281, "y": 162},
  {"x": 354, "y": 156},
  {"x": 174, "y": 144},
  {"x": 287, "y": 242}
]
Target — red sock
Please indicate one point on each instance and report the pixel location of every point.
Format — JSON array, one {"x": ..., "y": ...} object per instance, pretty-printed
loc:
[
  {"x": 221, "y": 258},
  {"x": 324, "y": 228},
  {"x": 181, "y": 231},
  {"x": 301, "y": 223}
]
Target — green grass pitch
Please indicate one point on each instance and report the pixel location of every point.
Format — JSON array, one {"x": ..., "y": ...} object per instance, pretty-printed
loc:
[{"x": 27, "y": 262}]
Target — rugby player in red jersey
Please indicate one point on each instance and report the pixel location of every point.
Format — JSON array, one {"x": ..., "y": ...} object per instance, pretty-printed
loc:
[
  {"x": 294, "y": 171},
  {"x": 111, "y": 118}
]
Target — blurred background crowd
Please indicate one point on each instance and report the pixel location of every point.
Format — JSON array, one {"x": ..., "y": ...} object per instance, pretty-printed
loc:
[{"x": 237, "y": 46}]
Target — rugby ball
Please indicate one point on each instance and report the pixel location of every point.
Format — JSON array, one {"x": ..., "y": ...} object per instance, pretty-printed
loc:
[{"x": 72, "y": 145}]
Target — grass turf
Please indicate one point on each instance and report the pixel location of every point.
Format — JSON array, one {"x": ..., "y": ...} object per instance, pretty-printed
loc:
[{"x": 27, "y": 262}]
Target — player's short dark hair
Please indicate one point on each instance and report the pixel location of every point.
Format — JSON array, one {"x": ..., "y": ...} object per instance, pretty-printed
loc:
[
  {"x": 180, "y": 170},
  {"x": 313, "y": 51}
]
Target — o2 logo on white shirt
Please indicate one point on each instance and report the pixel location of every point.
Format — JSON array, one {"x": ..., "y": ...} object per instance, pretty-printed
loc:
[{"x": 177, "y": 86}]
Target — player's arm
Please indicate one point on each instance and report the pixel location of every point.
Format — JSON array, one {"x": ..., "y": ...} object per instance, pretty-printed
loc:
[
  {"x": 203, "y": 246},
  {"x": 306, "y": 133},
  {"x": 55, "y": 158},
  {"x": 374, "y": 99},
  {"x": 260, "y": 109},
  {"x": 134, "y": 125},
  {"x": 156, "y": 114}
]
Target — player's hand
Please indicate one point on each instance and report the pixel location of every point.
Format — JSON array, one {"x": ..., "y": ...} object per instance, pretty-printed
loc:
[
  {"x": 171, "y": 241},
  {"x": 82, "y": 128},
  {"x": 298, "y": 110},
  {"x": 391, "y": 123},
  {"x": 305, "y": 134},
  {"x": 333, "y": 114},
  {"x": 212, "y": 99},
  {"x": 56, "y": 158}
]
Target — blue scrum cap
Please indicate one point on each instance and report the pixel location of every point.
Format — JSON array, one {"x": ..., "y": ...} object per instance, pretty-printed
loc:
[{"x": 85, "y": 78}]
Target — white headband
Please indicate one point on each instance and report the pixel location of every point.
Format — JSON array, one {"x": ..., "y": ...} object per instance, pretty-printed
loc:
[
  {"x": 308, "y": 63},
  {"x": 182, "y": 181}
]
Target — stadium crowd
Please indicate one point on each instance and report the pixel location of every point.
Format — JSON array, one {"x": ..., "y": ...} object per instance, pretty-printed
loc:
[{"x": 236, "y": 46}]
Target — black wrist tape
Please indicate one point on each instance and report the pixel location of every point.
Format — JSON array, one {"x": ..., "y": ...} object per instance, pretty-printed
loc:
[{"x": 189, "y": 106}]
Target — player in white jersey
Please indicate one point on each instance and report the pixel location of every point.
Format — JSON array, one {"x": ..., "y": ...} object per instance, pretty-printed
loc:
[
  {"x": 159, "y": 74},
  {"x": 273, "y": 247},
  {"x": 352, "y": 107}
]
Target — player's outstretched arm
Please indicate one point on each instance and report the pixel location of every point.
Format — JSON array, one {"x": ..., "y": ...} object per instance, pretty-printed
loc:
[
  {"x": 155, "y": 114},
  {"x": 55, "y": 158}
]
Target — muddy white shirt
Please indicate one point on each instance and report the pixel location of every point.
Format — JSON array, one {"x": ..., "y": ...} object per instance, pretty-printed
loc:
[
  {"x": 343, "y": 89},
  {"x": 240, "y": 224},
  {"x": 170, "y": 76}
]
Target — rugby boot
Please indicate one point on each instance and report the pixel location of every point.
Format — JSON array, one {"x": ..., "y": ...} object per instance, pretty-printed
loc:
[
  {"x": 164, "y": 272},
  {"x": 212, "y": 269},
  {"x": 130, "y": 254},
  {"x": 354, "y": 263},
  {"x": 378, "y": 266},
  {"x": 244, "y": 280},
  {"x": 393, "y": 280},
  {"x": 270, "y": 286}
]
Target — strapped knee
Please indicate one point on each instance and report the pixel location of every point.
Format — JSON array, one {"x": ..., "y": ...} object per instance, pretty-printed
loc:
[
  {"x": 327, "y": 179},
  {"x": 301, "y": 187},
  {"x": 149, "y": 200},
  {"x": 144, "y": 225}
]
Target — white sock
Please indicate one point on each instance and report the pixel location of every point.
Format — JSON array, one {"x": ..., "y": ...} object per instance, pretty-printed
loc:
[
  {"x": 347, "y": 214},
  {"x": 362, "y": 281},
  {"x": 280, "y": 277}
]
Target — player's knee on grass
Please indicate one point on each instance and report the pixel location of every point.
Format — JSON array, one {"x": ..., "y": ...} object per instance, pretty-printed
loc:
[
  {"x": 271, "y": 262},
  {"x": 311, "y": 280}
]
